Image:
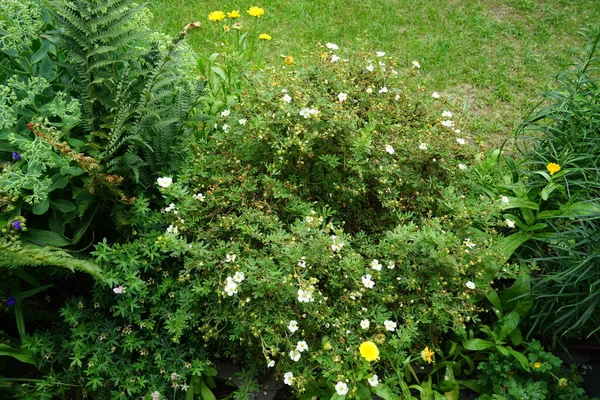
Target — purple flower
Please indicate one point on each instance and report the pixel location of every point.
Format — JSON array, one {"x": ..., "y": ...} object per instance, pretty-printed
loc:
[
  {"x": 16, "y": 156},
  {"x": 11, "y": 301},
  {"x": 17, "y": 225}
]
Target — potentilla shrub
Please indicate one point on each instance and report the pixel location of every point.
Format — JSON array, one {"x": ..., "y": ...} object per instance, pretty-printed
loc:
[{"x": 323, "y": 231}]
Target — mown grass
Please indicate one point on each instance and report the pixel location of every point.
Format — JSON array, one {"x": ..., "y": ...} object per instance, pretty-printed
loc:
[{"x": 491, "y": 58}]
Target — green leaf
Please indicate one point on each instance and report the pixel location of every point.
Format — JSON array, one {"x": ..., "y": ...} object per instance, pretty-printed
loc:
[
  {"x": 22, "y": 355},
  {"x": 509, "y": 324},
  {"x": 41, "y": 53},
  {"x": 549, "y": 189},
  {"x": 64, "y": 206},
  {"x": 41, "y": 207},
  {"x": 205, "y": 392},
  {"x": 45, "y": 238},
  {"x": 493, "y": 297},
  {"x": 509, "y": 244},
  {"x": 384, "y": 392},
  {"x": 336, "y": 396},
  {"x": 29, "y": 293},
  {"x": 520, "y": 357},
  {"x": 478, "y": 344},
  {"x": 516, "y": 202}
]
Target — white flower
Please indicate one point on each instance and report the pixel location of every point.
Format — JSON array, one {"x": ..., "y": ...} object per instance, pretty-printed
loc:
[
  {"x": 239, "y": 277},
  {"x": 383, "y": 90},
  {"x": 462, "y": 167},
  {"x": 380, "y": 53},
  {"x": 230, "y": 258},
  {"x": 416, "y": 64},
  {"x": 373, "y": 381},
  {"x": 341, "y": 388},
  {"x": 271, "y": 364},
  {"x": 172, "y": 229},
  {"x": 302, "y": 263},
  {"x": 367, "y": 282},
  {"x": 199, "y": 197},
  {"x": 225, "y": 113},
  {"x": 435, "y": 95},
  {"x": 301, "y": 346},
  {"x": 313, "y": 111},
  {"x": 170, "y": 208},
  {"x": 369, "y": 90},
  {"x": 305, "y": 296},
  {"x": 467, "y": 242},
  {"x": 225, "y": 128},
  {"x": 242, "y": 121},
  {"x": 334, "y": 58},
  {"x": 293, "y": 326},
  {"x": 505, "y": 199},
  {"x": 470, "y": 285},
  {"x": 391, "y": 265},
  {"x": 118, "y": 289},
  {"x": 460, "y": 141},
  {"x": 295, "y": 355},
  {"x": 155, "y": 395},
  {"x": 337, "y": 245},
  {"x": 376, "y": 265},
  {"x": 457, "y": 131},
  {"x": 164, "y": 181},
  {"x": 370, "y": 68},
  {"x": 230, "y": 287},
  {"x": 332, "y": 46},
  {"x": 365, "y": 323},
  {"x": 423, "y": 146},
  {"x": 287, "y": 98},
  {"x": 390, "y": 325},
  {"x": 447, "y": 114},
  {"x": 342, "y": 96},
  {"x": 304, "y": 112},
  {"x": 389, "y": 149},
  {"x": 510, "y": 223},
  {"x": 288, "y": 378},
  {"x": 448, "y": 123}
]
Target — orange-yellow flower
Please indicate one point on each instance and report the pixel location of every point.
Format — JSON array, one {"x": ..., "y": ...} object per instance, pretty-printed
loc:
[
  {"x": 427, "y": 355},
  {"x": 234, "y": 14},
  {"x": 216, "y": 16},
  {"x": 537, "y": 365},
  {"x": 264, "y": 36},
  {"x": 553, "y": 168},
  {"x": 369, "y": 351},
  {"x": 288, "y": 60},
  {"x": 256, "y": 11}
]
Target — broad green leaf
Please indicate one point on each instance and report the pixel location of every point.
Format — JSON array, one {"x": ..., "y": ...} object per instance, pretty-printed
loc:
[
  {"x": 41, "y": 53},
  {"x": 41, "y": 207},
  {"x": 520, "y": 357},
  {"x": 548, "y": 190},
  {"x": 509, "y": 324},
  {"x": 64, "y": 206},
  {"x": 336, "y": 396},
  {"x": 45, "y": 238},
  {"x": 493, "y": 297},
  {"x": 516, "y": 202},
  {"x": 478, "y": 344},
  {"x": 509, "y": 244},
  {"x": 22, "y": 355}
]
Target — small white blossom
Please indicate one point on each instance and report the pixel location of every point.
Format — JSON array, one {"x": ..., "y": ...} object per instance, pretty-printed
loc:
[
  {"x": 199, "y": 197},
  {"x": 239, "y": 277},
  {"x": 165, "y": 181},
  {"x": 462, "y": 167},
  {"x": 155, "y": 395},
  {"x": 172, "y": 229},
  {"x": 435, "y": 95},
  {"x": 288, "y": 378},
  {"x": 225, "y": 128},
  {"x": 380, "y": 53},
  {"x": 389, "y": 149},
  {"x": 460, "y": 141},
  {"x": 391, "y": 265},
  {"x": 505, "y": 199},
  {"x": 416, "y": 64},
  {"x": 304, "y": 113},
  {"x": 271, "y": 364},
  {"x": 448, "y": 123},
  {"x": 383, "y": 90},
  {"x": 295, "y": 355},
  {"x": 367, "y": 282},
  {"x": 470, "y": 285},
  {"x": 389, "y": 325},
  {"x": 341, "y": 388},
  {"x": 242, "y": 121},
  {"x": 225, "y": 113},
  {"x": 302, "y": 263},
  {"x": 365, "y": 323},
  {"x": 305, "y": 296},
  {"x": 373, "y": 381},
  {"x": 447, "y": 114},
  {"x": 467, "y": 242},
  {"x": 376, "y": 265},
  {"x": 332, "y": 46},
  {"x": 287, "y": 98},
  {"x": 342, "y": 96},
  {"x": 510, "y": 223},
  {"x": 334, "y": 58},
  {"x": 369, "y": 90},
  {"x": 118, "y": 289},
  {"x": 423, "y": 146},
  {"x": 293, "y": 326},
  {"x": 302, "y": 346},
  {"x": 230, "y": 258},
  {"x": 457, "y": 131},
  {"x": 370, "y": 68},
  {"x": 230, "y": 287}
]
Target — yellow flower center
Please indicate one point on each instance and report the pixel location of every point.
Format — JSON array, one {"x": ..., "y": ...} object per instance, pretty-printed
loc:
[{"x": 369, "y": 351}]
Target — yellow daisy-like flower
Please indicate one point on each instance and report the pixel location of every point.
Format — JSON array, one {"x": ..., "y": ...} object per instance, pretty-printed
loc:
[
  {"x": 537, "y": 365},
  {"x": 288, "y": 60},
  {"x": 427, "y": 355},
  {"x": 216, "y": 16},
  {"x": 553, "y": 168},
  {"x": 369, "y": 351},
  {"x": 264, "y": 36},
  {"x": 234, "y": 14},
  {"x": 256, "y": 11}
]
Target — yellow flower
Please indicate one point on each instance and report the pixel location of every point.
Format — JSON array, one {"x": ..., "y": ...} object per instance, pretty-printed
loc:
[
  {"x": 256, "y": 11},
  {"x": 216, "y": 16},
  {"x": 226, "y": 28},
  {"x": 553, "y": 168},
  {"x": 427, "y": 355},
  {"x": 537, "y": 365},
  {"x": 264, "y": 36},
  {"x": 288, "y": 60},
  {"x": 369, "y": 351},
  {"x": 234, "y": 14}
]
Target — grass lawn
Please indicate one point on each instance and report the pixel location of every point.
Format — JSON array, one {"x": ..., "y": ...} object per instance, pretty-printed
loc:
[{"x": 491, "y": 58}]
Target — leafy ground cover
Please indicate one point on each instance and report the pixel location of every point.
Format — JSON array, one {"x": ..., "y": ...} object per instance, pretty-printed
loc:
[{"x": 493, "y": 58}]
